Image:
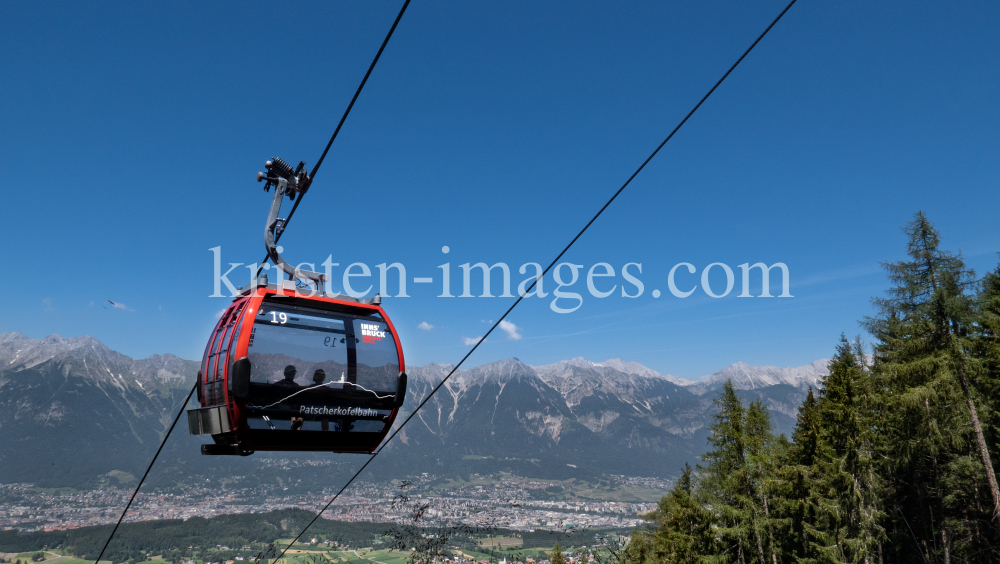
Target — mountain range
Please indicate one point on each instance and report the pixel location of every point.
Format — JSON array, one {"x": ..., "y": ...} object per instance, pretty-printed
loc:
[{"x": 74, "y": 413}]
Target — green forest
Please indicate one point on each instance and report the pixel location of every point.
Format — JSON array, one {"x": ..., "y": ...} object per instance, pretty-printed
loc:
[{"x": 891, "y": 458}]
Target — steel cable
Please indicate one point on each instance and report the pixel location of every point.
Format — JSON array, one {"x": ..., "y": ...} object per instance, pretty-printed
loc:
[
  {"x": 312, "y": 175},
  {"x": 542, "y": 275},
  {"x": 278, "y": 236},
  {"x": 148, "y": 468}
]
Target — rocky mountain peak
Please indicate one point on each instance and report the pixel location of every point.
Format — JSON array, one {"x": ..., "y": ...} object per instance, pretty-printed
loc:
[
  {"x": 747, "y": 377},
  {"x": 18, "y": 351},
  {"x": 88, "y": 357},
  {"x": 499, "y": 370},
  {"x": 640, "y": 370},
  {"x": 569, "y": 368}
]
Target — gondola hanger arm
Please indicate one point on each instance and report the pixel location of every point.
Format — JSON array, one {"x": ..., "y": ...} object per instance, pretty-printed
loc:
[{"x": 291, "y": 183}]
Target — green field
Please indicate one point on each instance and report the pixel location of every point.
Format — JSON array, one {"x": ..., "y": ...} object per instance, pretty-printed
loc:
[
  {"x": 51, "y": 557},
  {"x": 500, "y": 542},
  {"x": 303, "y": 554}
]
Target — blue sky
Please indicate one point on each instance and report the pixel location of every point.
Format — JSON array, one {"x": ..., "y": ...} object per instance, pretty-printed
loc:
[{"x": 131, "y": 133}]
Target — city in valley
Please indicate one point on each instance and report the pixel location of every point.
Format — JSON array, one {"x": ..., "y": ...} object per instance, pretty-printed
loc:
[{"x": 506, "y": 501}]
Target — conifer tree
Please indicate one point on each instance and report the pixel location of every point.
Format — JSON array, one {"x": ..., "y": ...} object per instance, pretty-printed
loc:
[
  {"x": 556, "y": 557},
  {"x": 797, "y": 481},
  {"x": 935, "y": 453},
  {"x": 723, "y": 490},
  {"x": 891, "y": 459},
  {"x": 987, "y": 350},
  {"x": 736, "y": 479},
  {"x": 845, "y": 516},
  {"x": 761, "y": 468},
  {"x": 680, "y": 528}
]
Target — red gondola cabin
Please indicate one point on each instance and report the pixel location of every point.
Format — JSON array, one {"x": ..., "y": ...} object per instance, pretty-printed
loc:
[{"x": 293, "y": 372}]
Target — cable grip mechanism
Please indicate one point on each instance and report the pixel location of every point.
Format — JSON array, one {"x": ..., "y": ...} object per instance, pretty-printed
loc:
[
  {"x": 298, "y": 180},
  {"x": 286, "y": 182}
]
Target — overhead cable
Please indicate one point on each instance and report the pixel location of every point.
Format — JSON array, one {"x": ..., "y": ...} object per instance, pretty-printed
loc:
[
  {"x": 278, "y": 236},
  {"x": 542, "y": 275},
  {"x": 148, "y": 468},
  {"x": 315, "y": 169}
]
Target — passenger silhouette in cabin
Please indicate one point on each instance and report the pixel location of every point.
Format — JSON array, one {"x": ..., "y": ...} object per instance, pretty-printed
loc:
[
  {"x": 318, "y": 378},
  {"x": 289, "y": 383},
  {"x": 289, "y": 377}
]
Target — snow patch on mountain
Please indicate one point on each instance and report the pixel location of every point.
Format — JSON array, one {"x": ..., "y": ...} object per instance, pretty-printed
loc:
[
  {"x": 93, "y": 359},
  {"x": 640, "y": 370},
  {"x": 18, "y": 352},
  {"x": 747, "y": 377}
]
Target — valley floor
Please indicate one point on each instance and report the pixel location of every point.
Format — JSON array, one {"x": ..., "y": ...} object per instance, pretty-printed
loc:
[{"x": 505, "y": 501}]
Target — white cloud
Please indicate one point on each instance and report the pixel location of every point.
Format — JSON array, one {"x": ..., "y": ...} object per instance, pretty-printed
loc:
[
  {"x": 120, "y": 306},
  {"x": 425, "y": 326},
  {"x": 219, "y": 314},
  {"x": 469, "y": 341},
  {"x": 48, "y": 304},
  {"x": 511, "y": 330}
]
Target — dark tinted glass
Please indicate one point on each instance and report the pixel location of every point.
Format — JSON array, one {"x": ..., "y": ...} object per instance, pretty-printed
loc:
[
  {"x": 304, "y": 362},
  {"x": 378, "y": 361}
]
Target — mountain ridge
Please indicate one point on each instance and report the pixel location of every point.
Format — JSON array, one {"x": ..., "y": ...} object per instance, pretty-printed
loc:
[
  {"x": 31, "y": 352},
  {"x": 18, "y": 352},
  {"x": 573, "y": 418}
]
